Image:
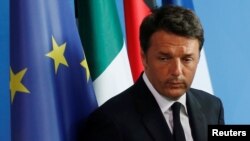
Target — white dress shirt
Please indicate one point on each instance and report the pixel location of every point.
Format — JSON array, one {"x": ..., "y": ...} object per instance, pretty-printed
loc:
[{"x": 165, "y": 105}]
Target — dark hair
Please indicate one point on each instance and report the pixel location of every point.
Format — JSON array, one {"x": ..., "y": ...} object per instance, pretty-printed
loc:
[{"x": 172, "y": 19}]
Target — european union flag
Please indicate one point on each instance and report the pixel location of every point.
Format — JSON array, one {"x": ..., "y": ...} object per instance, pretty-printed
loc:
[{"x": 50, "y": 85}]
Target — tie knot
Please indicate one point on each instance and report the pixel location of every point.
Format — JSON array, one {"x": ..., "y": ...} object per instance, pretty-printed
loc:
[{"x": 176, "y": 107}]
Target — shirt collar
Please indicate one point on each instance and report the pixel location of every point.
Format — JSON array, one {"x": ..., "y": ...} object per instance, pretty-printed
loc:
[{"x": 164, "y": 102}]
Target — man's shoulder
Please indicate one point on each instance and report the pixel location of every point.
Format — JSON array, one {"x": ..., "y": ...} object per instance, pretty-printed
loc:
[
  {"x": 121, "y": 102},
  {"x": 204, "y": 96},
  {"x": 201, "y": 93}
]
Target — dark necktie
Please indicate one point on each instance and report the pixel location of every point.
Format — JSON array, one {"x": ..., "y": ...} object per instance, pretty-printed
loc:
[{"x": 178, "y": 132}]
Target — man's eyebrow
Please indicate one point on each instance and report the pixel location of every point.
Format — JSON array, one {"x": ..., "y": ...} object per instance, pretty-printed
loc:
[
  {"x": 188, "y": 54},
  {"x": 165, "y": 53}
]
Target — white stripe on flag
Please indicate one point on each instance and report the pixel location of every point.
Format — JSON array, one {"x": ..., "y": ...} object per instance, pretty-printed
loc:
[
  {"x": 202, "y": 78},
  {"x": 116, "y": 78}
]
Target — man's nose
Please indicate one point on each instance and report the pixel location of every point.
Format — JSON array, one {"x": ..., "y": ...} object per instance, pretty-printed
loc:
[{"x": 176, "y": 67}]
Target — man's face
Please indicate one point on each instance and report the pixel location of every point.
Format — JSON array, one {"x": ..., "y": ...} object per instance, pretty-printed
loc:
[{"x": 170, "y": 63}]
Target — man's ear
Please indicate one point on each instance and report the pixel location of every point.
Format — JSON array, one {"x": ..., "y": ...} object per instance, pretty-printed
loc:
[
  {"x": 143, "y": 58},
  {"x": 199, "y": 56}
]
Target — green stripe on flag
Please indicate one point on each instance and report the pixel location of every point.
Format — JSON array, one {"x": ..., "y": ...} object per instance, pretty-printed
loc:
[{"x": 100, "y": 32}]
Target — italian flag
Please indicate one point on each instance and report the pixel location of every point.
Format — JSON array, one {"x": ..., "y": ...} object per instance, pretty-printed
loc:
[{"x": 104, "y": 47}]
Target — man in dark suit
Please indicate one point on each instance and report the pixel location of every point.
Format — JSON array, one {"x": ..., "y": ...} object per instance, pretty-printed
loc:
[{"x": 171, "y": 40}]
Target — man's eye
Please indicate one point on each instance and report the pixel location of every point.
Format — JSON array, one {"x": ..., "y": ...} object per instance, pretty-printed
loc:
[
  {"x": 164, "y": 58},
  {"x": 188, "y": 59}
]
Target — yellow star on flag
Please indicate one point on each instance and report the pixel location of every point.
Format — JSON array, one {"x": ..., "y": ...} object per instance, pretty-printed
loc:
[
  {"x": 85, "y": 66},
  {"x": 57, "y": 54},
  {"x": 16, "y": 84}
]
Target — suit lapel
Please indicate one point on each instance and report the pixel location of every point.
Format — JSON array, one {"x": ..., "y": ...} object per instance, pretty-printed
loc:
[
  {"x": 151, "y": 114},
  {"x": 157, "y": 127},
  {"x": 197, "y": 118}
]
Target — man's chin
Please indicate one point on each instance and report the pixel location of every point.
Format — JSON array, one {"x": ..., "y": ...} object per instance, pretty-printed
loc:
[{"x": 174, "y": 93}]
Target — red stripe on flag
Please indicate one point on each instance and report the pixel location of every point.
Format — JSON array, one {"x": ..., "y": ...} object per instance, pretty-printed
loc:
[{"x": 135, "y": 11}]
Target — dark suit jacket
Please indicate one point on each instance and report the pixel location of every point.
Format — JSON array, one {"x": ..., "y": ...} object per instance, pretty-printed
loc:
[{"x": 134, "y": 115}]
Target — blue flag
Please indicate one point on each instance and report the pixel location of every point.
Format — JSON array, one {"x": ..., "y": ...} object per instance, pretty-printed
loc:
[
  {"x": 50, "y": 85},
  {"x": 184, "y": 3}
]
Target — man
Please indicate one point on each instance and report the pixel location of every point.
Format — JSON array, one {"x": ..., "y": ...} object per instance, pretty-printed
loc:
[{"x": 171, "y": 40}]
